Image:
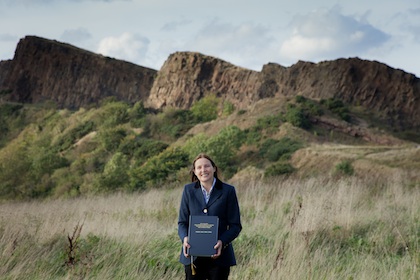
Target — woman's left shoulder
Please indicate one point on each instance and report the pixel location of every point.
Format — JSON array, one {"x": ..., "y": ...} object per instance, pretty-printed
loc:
[{"x": 227, "y": 186}]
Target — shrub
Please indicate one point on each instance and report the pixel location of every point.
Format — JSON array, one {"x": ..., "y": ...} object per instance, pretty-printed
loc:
[
  {"x": 279, "y": 168},
  {"x": 268, "y": 124},
  {"x": 111, "y": 138},
  {"x": 221, "y": 147},
  {"x": 137, "y": 114},
  {"x": 45, "y": 161},
  {"x": 158, "y": 169},
  {"x": 228, "y": 108},
  {"x": 70, "y": 137},
  {"x": 14, "y": 170},
  {"x": 115, "y": 175},
  {"x": 140, "y": 148},
  {"x": 297, "y": 117},
  {"x": 172, "y": 123},
  {"x": 274, "y": 150},
  {"x": 11, "y": 118},
  {"x": 8, "y": 109},
  {"x": 113, "y": 113},
  {"x": 344, "y": 168},
  {"x": 300, "y": 99},
  {"x": 337, "y": 106},
  {"x": 205, "y": 109}
]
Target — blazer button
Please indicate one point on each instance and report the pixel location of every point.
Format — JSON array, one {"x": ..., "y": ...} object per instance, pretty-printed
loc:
[{"x": 205, "y": 210}]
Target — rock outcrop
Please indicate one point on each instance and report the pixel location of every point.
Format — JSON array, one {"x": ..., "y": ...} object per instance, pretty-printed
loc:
[
  {"x": 71, "y": 77},
  {"x": 186, "y": 77},
  {"x": 392, "y": 95}
]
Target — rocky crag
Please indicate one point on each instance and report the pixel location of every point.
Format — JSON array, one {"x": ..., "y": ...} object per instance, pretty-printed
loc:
[
  {"x": 48, "y": 70},
  {"x": 393, "y": 95},
  {"x": 71, "y": 77}
]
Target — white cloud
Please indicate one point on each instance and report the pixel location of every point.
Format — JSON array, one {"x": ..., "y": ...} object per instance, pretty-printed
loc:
[
  {"x": 239, "y": 44},
  {"x": 128, "y": 46},
  {"x": 327, "y": 34}
]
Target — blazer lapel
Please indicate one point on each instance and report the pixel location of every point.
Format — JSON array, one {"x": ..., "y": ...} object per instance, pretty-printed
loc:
[
  {"x": 216, "y": 193},
  {"x": 199, "y": 194}
]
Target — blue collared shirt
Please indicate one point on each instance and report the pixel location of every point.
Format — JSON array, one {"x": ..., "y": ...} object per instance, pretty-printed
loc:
[{"x": 207, "y": 194}]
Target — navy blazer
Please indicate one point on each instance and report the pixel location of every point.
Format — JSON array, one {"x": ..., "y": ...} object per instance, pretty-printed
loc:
[{"x": 223, "y": 203}]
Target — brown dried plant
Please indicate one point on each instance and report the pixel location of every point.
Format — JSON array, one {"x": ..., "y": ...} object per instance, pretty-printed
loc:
[{"x": 73, "y": 245}]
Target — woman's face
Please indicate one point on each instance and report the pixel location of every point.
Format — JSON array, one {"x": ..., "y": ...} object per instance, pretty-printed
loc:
[{"x": 204, "y": 170}]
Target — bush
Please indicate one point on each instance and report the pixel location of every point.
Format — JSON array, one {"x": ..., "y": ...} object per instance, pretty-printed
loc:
[
  {"x": 158, "y": 169},
  {"x": 221, "y": 147},
  {"x": 228, "y": 108},
  {"x": 337, "y": 107},
  {"x": 344, "y": 168},
  {"x": 45, "y": 161},
  {"x": 137, "y": 114},
  {"x": 297, "y": 117},
  {"x": 111, "y": 138},
  {"x": 70, "y": 137},
  {"x": 113, "y": 113},
  {"x": 140, "y": 148},
  {"x": 279, "y": 168},
  {"x": 268, "y": 124},
  {"x": 8, "y": 109},
  {"x": 274, "y": 150},
  {"x": 172, "y": 124},
  {"x": 115, "y": 175},
  {"x": 205, "y": 109}
]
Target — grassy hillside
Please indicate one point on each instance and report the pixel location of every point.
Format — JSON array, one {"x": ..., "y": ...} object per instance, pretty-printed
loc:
[
  {"x": 94, "y": 193},
  {"x": 120, "y": 147},
  {"x": 315, "y": 228}
]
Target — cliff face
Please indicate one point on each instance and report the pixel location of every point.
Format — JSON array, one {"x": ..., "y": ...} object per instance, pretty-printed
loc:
[
  {"x": 389, "y": 93},
  {"x": 186, "y": 77},
  {"x": 392, "y": 94},
  {"x": 47, "y": 70},
  {"x": 4, "y": 69}
]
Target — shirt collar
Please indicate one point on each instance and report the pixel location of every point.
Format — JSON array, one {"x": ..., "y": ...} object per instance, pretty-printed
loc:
[{"x": 212, "y": 186}]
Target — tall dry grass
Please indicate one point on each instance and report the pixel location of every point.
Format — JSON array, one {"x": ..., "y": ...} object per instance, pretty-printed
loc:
[{"x": 321, "y": 228}]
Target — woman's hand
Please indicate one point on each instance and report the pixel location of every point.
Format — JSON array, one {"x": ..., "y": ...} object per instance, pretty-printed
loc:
[
  {"x": 218, "y": 247},
  {"x": 186, "y": 246}
]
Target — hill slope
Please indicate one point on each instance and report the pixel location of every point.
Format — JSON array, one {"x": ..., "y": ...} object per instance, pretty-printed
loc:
[{"x": 332, "y": 118}]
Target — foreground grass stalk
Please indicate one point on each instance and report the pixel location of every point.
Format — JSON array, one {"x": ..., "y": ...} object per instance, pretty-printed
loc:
[{"x": 315, "y": 228}]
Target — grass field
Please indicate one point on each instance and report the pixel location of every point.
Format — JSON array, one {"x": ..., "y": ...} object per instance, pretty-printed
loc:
[{"x": 316, "y": 228}]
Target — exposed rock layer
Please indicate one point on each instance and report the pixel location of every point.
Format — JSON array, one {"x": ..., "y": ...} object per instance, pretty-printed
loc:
[
  {"x": 48, "y": 70},
  {"x": 389, "y": 93}
]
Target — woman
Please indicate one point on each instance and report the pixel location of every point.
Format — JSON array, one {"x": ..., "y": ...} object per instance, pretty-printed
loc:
[{"x": 207, "y": 195}]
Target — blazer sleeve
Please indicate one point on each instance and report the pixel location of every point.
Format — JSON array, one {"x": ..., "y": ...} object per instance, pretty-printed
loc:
[
  {"x": 233, "y": 218},
  {"x": 183, "y": 217}
]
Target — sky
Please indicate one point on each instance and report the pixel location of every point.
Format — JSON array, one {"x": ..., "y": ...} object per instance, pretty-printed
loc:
[{"x": 243, "y": 32}]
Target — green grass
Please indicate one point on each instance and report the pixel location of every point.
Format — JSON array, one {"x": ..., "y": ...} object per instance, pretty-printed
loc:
[{"x": 324, "y": 228}]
